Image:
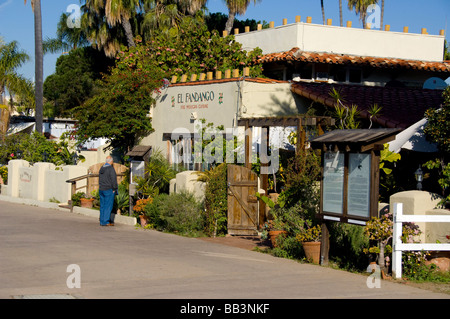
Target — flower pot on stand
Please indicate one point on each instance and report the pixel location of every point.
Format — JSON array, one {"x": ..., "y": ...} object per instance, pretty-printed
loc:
[
  {"x": 312, "y": 251},
  {"x": 87, "y": 202}
]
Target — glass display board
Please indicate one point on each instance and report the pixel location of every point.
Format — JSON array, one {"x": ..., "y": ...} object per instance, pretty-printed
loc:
[
  {"x": 333, "y": 182},
  {"x": 137, "y": 169},
  {"x": 358, "y": 196}
]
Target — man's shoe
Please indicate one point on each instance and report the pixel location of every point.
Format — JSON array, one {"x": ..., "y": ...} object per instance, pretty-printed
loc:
[{"x": 110, "y": 224}]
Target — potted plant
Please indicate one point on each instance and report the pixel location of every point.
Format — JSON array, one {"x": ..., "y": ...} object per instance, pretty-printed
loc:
[
  {"x": 309, "y": 236},
  {"x": 139, "y": 210},
  {"x": 271, "y": 230},
  {"x": 86, "y": 201}
]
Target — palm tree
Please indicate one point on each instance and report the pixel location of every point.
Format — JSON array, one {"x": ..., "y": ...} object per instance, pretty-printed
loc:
[
  {"x": 39, "y": 63},
  {"x": 323, "y": 11},
  {"x": 166, "y": 15},
  {"x": 382, "y": 15},
  {"x": 340, "y": 14},
  {"x": 99, "y": 32},
  {"x": 236, "y": 7},
  {"x": 360, "y": 7},
  {"x": 66, "y": 38},
  {"x": 104, "y": 15},
  {"x": 120, "y": 12},
  {"x": 11, "y": 58}
]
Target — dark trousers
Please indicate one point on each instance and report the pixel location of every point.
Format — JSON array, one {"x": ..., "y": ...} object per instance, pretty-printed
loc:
[{"x": 106, "y": 205}]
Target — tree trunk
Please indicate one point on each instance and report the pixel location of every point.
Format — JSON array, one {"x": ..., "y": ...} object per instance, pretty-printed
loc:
[
  {"x": 363, "y": 18},
  {"x": 128, "y": 32},
  {"x": 382, "y": 15},
  {"x": 323, "y": 12},
  {"x": 230, "y": 21},
  {"x": 381, "y": 258},
  {"x": 39, "y": 66},
  {"x": 340, "y": 14}
]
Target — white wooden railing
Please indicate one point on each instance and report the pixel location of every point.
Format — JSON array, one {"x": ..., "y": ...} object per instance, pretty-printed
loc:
[{"x": 399, "y": 247}]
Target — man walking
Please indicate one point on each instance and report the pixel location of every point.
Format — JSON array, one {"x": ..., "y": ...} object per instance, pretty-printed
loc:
[{"x": 107, "y": 189}]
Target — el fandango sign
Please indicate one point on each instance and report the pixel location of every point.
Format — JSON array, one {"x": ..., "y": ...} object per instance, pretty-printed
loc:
[{"x": 196, "y": 100}]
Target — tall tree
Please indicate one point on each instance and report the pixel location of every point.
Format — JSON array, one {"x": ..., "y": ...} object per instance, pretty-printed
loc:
[
  {"x": 103, "y": 15},
  {"x": 102, "y": 36},
  {"x": 360, "y": 7},
  {"x": 323, "y": 12},
  {"x": 236, "y": 7},
  {"x": 166, "y": 15},
  {"x": 382, "y": 15},
  {"x": 120, "y": 12},
  {"x": 67, "y": 38},
  {"x": 39, "y": 64},
  {"x": 340, "y": 14},
  {"x": 11, "y": 58}
]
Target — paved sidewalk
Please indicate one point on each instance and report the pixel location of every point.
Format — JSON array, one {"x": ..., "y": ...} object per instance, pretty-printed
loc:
[{"x": 39, "y": 245}]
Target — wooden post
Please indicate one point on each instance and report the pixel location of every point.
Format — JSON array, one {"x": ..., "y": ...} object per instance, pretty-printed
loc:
[
  {"x": 73, "y": 191},
  {"x": 324, "y": 244}
]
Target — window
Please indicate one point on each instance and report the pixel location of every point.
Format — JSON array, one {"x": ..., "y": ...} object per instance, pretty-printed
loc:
[
  {"x": 341, "y": 75},
  {"x": 354, "y": 76}
]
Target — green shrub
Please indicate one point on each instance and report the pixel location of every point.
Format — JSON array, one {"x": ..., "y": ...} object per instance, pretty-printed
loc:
[
  {"x": 76, "y": 198},
  {"x": 177, "y": 213},
  {"x": 347, "y": 244},
  {"x": 216, "y": 199},
  {"x": 4, "y": 174}
]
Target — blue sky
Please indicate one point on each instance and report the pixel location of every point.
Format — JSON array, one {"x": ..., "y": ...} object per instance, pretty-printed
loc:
[{"x": 17, "y": 22}]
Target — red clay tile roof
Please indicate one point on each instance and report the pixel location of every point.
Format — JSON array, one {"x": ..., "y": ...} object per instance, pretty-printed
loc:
[
  {"x": 215, "y": 81},
  {"x": 401, "y": 107},
  {"x": 296, "y": 54}
]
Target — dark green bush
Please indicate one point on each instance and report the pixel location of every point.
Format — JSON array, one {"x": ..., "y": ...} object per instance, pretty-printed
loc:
[{"x": 177, "y": 213}]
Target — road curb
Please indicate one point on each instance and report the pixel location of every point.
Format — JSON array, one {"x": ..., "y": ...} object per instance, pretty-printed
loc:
[{"x": 118, "y": 219}]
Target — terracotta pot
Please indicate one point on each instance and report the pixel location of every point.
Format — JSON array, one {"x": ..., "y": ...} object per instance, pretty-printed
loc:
[
  {"x": 273, "y": 234},
  {"x": 312, "y": 251},
  {"x": 144, "y": 220},
  {"x": 87, "y": 202}
]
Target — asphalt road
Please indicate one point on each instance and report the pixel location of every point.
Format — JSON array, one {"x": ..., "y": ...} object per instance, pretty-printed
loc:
[{"x": 44, "y": 251}]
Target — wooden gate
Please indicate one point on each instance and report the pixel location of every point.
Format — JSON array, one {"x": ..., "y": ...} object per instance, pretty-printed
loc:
[
  {"x": 92, "y": 181},
  {"x": 243, "y": 216}
]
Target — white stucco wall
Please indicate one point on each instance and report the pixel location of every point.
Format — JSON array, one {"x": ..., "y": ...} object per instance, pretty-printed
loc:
[{"x": 343, "y": 40}]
